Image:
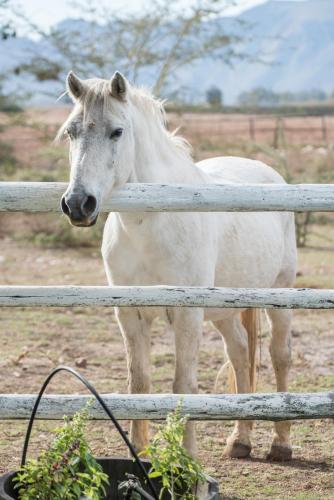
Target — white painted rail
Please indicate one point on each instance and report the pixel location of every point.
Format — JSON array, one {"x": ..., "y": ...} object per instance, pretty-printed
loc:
[
  {"x": 168, "y": 296},
  {"x": 45, "y": 197},
  {"x": 277, "y": 406}
]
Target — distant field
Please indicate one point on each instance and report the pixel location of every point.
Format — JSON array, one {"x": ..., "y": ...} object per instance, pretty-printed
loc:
[{"x": 28, "y": 129}]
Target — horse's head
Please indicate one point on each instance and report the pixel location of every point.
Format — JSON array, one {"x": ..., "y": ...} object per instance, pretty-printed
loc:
[{"x": 101, "y": 144}]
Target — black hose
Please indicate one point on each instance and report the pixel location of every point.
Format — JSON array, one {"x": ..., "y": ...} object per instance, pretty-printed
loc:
[
  {"x": 104, "y": 406},
  {"x": 142, "y": 492}
]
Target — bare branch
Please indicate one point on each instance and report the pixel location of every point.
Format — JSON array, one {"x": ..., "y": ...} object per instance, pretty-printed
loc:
[{"x": 157, "y": 40}]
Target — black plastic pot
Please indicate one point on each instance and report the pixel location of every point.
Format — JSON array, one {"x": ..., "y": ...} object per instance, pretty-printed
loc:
[{"x": 116, "y": 468}]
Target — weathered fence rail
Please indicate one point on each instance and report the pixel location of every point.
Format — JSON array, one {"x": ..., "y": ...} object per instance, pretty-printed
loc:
[
  {"x": 170, "y": 296},
  {"x": 45, "y": 197},
  {"x": 278, "y": 406}
]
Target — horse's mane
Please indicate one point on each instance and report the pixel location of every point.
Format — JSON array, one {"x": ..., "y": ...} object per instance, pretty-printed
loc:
[{"x": 152, "y": 109}]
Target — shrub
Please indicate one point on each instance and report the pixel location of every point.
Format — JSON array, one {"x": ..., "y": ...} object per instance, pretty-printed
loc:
[
  {"x": 171, "y": 462},
  {"x": 8, "y": 160},
  {"x": 66, "y": 470}
]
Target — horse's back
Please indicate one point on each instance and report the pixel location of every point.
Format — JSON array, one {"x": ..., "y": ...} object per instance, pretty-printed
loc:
[
  {"x": 232, "y": 169},
  {"x": 235, "y": 170},
  {"x": 255, "y": 247}
]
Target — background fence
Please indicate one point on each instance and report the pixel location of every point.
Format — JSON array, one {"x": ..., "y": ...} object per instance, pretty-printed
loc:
[{"x": 257, "y": 128}]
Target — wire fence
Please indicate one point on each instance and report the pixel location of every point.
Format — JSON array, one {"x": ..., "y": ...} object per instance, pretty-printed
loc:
[{"x": 257, "y": 128}]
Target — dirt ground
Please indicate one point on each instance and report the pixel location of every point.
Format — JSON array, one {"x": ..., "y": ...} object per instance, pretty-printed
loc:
[{"x": 33, "y": 341}]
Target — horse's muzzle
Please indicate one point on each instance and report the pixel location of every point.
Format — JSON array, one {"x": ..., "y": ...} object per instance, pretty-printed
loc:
[{"x": 81, "y": 209}]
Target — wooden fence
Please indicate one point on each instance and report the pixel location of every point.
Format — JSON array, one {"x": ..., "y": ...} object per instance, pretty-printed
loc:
[
  {"x": 277, "y": 406},
  {"x": 258, "y": 128},
  {"x": 169, "y": 296},
  {"x": 45, "y": 197},
  {"x": 37, "y": 197}
]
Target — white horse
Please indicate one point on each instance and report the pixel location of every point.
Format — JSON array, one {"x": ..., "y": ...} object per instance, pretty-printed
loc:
[{"x": 117, "y": 135}]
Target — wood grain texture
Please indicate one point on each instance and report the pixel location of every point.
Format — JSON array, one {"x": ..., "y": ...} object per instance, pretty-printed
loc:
[
  {"x": 45, "y": 197},
  {"x": 171, "y": 296},
  {"x": 277, "y": 406}
]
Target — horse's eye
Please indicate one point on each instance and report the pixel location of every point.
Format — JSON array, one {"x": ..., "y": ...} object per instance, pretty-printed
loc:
[
  {"x": 70, "y": 133},
  {"x": 116, "y": 133}
]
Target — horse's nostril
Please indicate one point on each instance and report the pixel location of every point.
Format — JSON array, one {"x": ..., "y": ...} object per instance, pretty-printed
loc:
[
  {"x": 64, "y": 206},
  {"x": 89, "y": 205}
]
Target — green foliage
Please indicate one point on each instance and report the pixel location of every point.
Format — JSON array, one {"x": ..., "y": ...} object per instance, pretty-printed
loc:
[
  {"x": 67, "y": 470},
  {"x": 9, "y": 103},
  {"x": 50, "y": 231},
  {"x": 7, "y": 29},
  {"x": 179, "y": 472},
  {"x": 8, "y": 160},
  {"x": 261, "y": 96},
  {"x": 214, "y": 96},
  {"x": 43, "y": 69}
]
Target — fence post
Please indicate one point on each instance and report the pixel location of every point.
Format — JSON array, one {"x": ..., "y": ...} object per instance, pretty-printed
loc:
[
  {"x": 252, "y": 129},
  {"x": 279, "y": 134},
  {"x": 324, "y": 129}
]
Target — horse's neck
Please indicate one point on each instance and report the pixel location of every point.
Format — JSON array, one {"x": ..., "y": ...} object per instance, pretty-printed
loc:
[{"x": 158, "y": 160}]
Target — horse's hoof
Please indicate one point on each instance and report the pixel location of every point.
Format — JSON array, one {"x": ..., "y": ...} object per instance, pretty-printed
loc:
[
  {"x": 279, "y": 453},
  {"x": 235, "y": 449}
]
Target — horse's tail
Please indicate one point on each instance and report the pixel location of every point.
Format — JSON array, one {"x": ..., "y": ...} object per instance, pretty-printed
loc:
[{"x": 251, "y": 320}]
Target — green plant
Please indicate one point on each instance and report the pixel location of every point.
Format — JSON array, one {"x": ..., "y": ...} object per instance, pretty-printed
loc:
[
  {"x": 66, "y": 470},
  {"x": 179, "y": 472},
  {"x": 8, "y": 160}
]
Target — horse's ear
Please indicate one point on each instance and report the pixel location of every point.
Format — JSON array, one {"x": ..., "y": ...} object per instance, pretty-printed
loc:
[
  {"x": 118, "y": 86},
  {"x": 74, "y": 85}
]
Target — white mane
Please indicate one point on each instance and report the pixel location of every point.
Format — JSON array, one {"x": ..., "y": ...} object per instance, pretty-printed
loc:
[{"x": 153, "y": 110}]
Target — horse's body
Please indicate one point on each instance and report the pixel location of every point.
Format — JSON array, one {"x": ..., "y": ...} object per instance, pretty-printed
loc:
[{"x": 189, "y": 249}]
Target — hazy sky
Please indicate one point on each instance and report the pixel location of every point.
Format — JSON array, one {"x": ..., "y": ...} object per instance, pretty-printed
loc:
[{"x": 47, "y": 13}]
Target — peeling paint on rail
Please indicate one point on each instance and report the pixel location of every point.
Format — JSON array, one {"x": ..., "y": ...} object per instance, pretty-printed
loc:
[
  {"x": 165, "y": 296},
  {"x": 277, "y": 406}
]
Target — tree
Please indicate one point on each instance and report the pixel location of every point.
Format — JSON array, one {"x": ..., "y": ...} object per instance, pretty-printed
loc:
[
  {"x": 214, "y": 96},
  {"x": 259, "y": 96},
  {"x": 6, "y": 26},
  {"x": 151, "y": 44}
]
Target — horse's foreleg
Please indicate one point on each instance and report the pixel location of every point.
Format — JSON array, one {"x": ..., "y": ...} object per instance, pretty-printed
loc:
[
  {"x": 280, "y": 351},
  {"x": 236, "y": 342},
  {"x": 136, "y": 335},
  {"x": 188, "y": 328}
]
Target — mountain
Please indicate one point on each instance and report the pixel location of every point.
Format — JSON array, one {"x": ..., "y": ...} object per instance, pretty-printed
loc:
[
  {"x": 299, "y": 40},
  {"x": 294, "y": 38}
]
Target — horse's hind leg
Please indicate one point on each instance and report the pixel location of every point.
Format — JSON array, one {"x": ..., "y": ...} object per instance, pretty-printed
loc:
[
  {"x": 236, "y": 343},
  {"x": 280, "y": 351}
]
